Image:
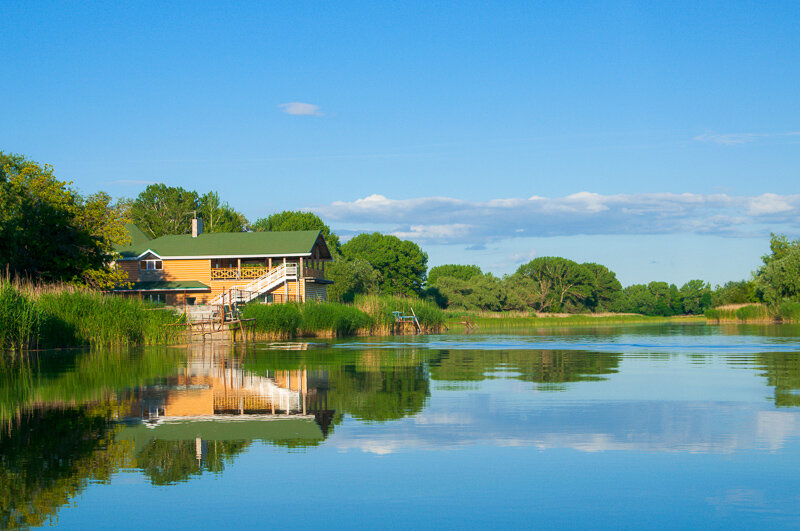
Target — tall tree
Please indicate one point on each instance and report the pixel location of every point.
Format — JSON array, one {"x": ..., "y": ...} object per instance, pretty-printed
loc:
[
  {"x": 605, "y": 287},
  {"x": 49, "y": 232},
  {"x": 160, "y": 210},
  {"x": 297, "y": 220},
  {"x": 778, "y": 279},
  {"x": 559, "y": 282},
  {"x": 218, "y": 216},
  {"x": 461, "y": 272},
  {"x": 401, "y": 264}
]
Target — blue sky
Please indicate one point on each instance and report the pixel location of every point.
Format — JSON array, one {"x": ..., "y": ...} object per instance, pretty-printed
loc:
[{"x": 639, "y": 135}]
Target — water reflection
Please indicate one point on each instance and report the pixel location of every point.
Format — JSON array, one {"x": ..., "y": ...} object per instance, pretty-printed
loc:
[{"x": 171, "y": 415}]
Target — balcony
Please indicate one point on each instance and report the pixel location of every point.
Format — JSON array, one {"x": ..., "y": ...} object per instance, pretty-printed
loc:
[{"x": 251, "y": 273}]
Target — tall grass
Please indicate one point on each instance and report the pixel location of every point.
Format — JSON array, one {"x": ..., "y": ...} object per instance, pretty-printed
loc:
[
  {"x": 749, "y": 312},
  {"x": 20, "y": 318},
  {"x": 789, "y": 311},
  {"x": 368, "y": 315},
  {"x": 36, "y": 316},
  {"x": 380, "y": 308},
  {"x": 521, "y": 320}
]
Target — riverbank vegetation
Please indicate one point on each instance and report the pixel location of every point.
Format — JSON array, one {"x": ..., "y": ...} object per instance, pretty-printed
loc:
[
  {"x": 49, "y": 233},
  {"x": 62, "y": 315},
  {"x": 368, "y": 315}
]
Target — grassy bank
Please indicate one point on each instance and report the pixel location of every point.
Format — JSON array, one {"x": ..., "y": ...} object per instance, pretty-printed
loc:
[
  {"x": 522, "y": 320},
  {"x": 42, "y": 317},
  {"x": 369, "y": 315},
  {"x": 786, "y": 312}
]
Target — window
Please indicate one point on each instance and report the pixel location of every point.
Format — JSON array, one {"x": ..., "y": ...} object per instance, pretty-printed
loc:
[{"x": 150, "y": 265}]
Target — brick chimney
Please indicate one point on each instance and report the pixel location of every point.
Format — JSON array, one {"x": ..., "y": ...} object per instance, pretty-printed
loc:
[{"x": 197, "y": 227}]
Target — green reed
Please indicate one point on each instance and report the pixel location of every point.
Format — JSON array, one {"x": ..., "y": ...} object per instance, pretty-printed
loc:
[
  {"x": 380, "y": 308},
  {"x": 35, "y": 316},
  {"x": 520, "y": 320},
  {"x": 368, "y": 315},
  {"x": 750, "y": 312}
]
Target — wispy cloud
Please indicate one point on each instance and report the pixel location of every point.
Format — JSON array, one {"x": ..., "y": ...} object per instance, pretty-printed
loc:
[
  {"x": 731, "y": 139},
  {"x": 448, "y": 220},
  {"x": 298, "y": 108}
]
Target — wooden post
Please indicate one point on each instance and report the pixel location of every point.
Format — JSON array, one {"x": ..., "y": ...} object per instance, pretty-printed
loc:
[
  {"x": 269, "y": 263},
  {"x": 238, "y": 268},
  {"x": 285, "y": 284}
]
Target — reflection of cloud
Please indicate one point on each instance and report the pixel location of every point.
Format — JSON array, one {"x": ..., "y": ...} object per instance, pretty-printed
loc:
[
  {"x": 449, "y": 220},
  {"x": 674, "y": 427},
  {"x": 300, "y": 109},
  {"x": 775, "y": 427}
]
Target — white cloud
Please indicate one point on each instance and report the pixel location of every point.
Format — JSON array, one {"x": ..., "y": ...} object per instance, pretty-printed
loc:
[
  {"x": 731, "y": 139},
  {"x": 769, "y": 204},
  {"x": 448, "y": 220},
  {"x": 728, "y": 139},
  {"x": 301, "y": 109}
]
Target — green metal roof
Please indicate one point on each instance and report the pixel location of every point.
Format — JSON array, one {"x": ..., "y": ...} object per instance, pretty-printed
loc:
[
  {"x": 166, "y": 285},
  {"x": 137, "y": 236},
  {"x": 275, "y": 429},
  {"x": 227, "y": 244}
]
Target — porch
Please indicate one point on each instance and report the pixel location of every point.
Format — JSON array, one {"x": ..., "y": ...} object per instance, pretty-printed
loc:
[{"x": 248, "y": 269}]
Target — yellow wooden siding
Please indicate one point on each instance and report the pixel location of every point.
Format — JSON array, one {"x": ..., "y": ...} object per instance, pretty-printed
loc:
[
  {"x": 131, "y": 269},
  {"x": 177, "y": 270}
]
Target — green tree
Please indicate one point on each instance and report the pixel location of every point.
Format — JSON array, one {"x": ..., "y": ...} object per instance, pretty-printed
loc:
[
  {"x": 160, "y": 210},
  {"x": 50, "y": 232},
  {"x": 478, "y": 293},
  {"x": 778, "y": 280},
  {"x": 734, "y": 292},
  {"x": 461, "y": 272},
  {"x": 558, "y": 283},
  {"x": 297, "y": 220},
  {"x": 605, "y": 288},
  {"x": 218, "y": 216},
  {"x": 696, "y": 297},
  {"x": 401, "y": 264},
  {"x": 350, "y": 278}
]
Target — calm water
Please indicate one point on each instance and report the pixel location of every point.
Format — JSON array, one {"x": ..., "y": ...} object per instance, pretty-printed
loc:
[{"x": 618, "y": 427}]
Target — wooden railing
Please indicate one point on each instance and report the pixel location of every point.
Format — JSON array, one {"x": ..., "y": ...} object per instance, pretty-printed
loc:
[
  {"x": 231, "y": 273},
  {"x": 313, "y": 273}
]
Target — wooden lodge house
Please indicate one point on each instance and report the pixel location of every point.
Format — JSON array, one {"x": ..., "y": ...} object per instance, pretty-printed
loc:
[{"x": 217, "y": 268}]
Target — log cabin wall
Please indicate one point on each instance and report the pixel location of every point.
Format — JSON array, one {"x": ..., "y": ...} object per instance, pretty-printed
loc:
[{"x": 131, "y": 268}]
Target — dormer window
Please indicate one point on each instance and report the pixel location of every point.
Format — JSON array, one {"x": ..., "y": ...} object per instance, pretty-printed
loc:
[{"x": 150, "y": 265}]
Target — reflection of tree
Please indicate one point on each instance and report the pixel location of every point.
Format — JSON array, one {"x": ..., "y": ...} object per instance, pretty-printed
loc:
[
  {"x": 167, "y": 462},
  {"x": 49, "y": 456},
  {"x": 379, "y": 393},
  {"x": 782, "y": 370},
  {"x": 374, "y": 385},
  {"x": 539, "y": 366}
]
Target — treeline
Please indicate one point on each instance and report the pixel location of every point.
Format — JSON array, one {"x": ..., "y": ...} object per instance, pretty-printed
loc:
[
  {"x": 554, "y": 284},
  {"x": 51, "y": 233}
]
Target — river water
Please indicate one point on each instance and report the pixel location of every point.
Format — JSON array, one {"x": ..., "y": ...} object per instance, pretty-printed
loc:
[{"x": 647, "y": 426}]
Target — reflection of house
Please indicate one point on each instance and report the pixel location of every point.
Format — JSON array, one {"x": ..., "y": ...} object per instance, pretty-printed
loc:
[
  {"x": 213, "y": 399},
  {"x": 200, "y": 267}
]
